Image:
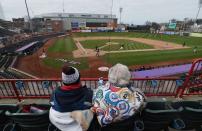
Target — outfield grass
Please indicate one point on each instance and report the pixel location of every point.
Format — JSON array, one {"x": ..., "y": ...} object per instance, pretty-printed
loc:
[
  {"x": 151, "y": 57},
  {"x": 91, "y": 44},
  {"x": 52, "y": 62},
  {"x": 127, "y": 45},
  {"x": 64, "y": 45},
  {"x": 134, "y": 58},
  {"x": 190, "y": 41}
]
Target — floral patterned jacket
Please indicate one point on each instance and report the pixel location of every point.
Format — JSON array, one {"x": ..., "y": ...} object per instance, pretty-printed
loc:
[{"x": 112, "y": 104}]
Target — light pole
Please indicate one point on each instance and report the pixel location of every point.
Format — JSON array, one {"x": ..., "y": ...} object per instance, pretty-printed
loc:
[
  {"x": 30, "y": 22},
  {"x": 120, "y": 11},
  {"x": 200, "y": 4},
  {"x": 63, "y": 6}
]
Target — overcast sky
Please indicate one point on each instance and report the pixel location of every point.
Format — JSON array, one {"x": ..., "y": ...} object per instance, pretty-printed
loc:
[{"x": 134, "y": 11}]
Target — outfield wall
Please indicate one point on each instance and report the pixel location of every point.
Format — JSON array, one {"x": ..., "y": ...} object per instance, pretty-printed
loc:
[{"x": 196, "y": 34}]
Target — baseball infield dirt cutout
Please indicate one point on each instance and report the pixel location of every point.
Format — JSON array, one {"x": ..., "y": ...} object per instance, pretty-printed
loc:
[{"x": 157, "y": 44}]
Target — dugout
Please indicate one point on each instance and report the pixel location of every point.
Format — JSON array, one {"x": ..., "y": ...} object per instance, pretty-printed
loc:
[{"x": 30, "y": 48}]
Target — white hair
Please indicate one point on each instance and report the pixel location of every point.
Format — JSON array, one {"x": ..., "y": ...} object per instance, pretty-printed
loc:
[{"x": 119, "y": 75}]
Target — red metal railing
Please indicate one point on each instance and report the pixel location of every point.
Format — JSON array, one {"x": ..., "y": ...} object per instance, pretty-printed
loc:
[
  {"x": 42, "y": 88},
  {"x": 193, "y": 81}
]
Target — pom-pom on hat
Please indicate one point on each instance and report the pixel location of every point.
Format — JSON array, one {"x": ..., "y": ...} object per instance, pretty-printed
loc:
[{"x": 70, "y": 75}]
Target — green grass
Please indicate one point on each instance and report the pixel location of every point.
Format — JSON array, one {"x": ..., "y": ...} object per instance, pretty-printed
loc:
[
  {"x": 127, "y": 44},
  {"x": 131, "y": 58},
  {"x": 190, "y": 41},
  {"x": 140, "y": 58},
  {"x": 64, "y": 45},
  {"x": 91, "y": 44},
  {"x": 52, "y": 62},
  {"x": 151, "y": 57}
]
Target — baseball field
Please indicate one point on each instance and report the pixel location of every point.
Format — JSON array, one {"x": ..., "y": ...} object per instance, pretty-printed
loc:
[{"x": 132, "y": 49}]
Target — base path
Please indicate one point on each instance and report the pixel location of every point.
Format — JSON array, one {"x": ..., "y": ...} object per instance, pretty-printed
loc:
[
  {"x": 157, "y": 44},
  {"x": 82, "y": 52}
]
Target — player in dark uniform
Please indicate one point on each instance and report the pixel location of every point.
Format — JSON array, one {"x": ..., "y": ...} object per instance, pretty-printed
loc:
[{"x": 97, "y": 51}]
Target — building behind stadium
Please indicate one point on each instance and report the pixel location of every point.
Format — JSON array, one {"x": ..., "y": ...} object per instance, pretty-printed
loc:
[{"x": 76, "y": 22}]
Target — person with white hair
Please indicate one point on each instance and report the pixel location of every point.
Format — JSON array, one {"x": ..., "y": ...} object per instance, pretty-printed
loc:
[{"x": 117, "y": 100}]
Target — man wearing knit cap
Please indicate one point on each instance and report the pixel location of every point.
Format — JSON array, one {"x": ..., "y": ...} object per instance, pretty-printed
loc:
[
  {"x": 70, "y": 103},
  {"x": 117, "y": 101}
]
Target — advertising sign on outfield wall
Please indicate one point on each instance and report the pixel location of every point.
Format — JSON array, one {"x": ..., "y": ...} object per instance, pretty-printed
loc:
[
  {"x": 172, "y": 25},
  {"x": 195, "y": 34},
  {"x": 85, "y": 31}
]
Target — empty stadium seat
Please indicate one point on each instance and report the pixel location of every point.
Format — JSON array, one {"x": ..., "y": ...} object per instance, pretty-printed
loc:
[
  {"x": 158, "y": 115},
  {"x": 3, "y": 61},
  {"x": 3, "y": 118},
  {"x": 9, "y": 62},
  {"x": 31, "y": 117},
  {"x": 120, "y": 126},
  {"x": 130, "y": 124},
  {"x": 191, "y": 115}
]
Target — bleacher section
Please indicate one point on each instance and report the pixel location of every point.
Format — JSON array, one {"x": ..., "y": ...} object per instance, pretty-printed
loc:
[
  {"x": 12, "y": 75},
  {"x": 3, "y": 61},
  {"x": 8, "y": 62},
  {"x": 4, "y": 32},
  {"x": 25, "y": 47},
  {"x": 157, "y": 116},
  {"x": 11, "y": 48},
  {"x": 4, "y": 75}
]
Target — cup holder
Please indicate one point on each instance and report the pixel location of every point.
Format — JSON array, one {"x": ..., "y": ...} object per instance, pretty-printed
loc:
[
  {"x": 138, "y": 125},
  {"x": 178, "y": 124}
]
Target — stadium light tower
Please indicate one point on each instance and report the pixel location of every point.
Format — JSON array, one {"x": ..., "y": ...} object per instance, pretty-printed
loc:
[
  {"x": 200, "y": 4},
  {"x": 63, "y": 6},
  {"x": 120, "y": 11},
  {"x": 30, "y": 22}
]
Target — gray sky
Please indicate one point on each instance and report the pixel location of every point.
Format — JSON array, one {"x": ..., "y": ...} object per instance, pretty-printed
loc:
[{"x": 134, "y": 11}]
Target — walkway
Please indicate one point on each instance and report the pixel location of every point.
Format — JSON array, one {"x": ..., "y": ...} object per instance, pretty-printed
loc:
[{"x": 164, "y": 71}]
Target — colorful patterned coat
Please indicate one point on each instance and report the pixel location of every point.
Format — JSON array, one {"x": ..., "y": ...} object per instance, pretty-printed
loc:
[{"x": 112, "y": 104}]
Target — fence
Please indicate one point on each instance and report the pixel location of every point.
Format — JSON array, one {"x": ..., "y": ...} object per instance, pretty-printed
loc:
[
  {"x": 191, "y": 84},
  {"x": 193, "y": 81}
]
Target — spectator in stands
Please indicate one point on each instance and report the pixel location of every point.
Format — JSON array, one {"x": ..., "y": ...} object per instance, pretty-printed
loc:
[
  {"x": 71, "y": 103},
  {"x": 117, "y": 100}
]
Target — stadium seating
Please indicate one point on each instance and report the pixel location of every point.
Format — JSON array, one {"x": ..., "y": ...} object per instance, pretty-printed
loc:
[
  {"x": 191, "y": 115},
  {"x": 9, "y": 75},
  {"x": 3, "y": 61},
  {"x": 3, "y": 108},
  {"x": 4, "y": 75},
  {"x": 8, "y": 62},
  {"x": 5, "y": 32},
  {"x": 158, "y": 115},
  {"x": 12, "y": 75},
  {"x": 30, "y": 118}
]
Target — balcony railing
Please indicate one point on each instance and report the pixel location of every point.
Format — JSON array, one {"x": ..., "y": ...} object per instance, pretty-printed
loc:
[{"x": 172, "y": 86}]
